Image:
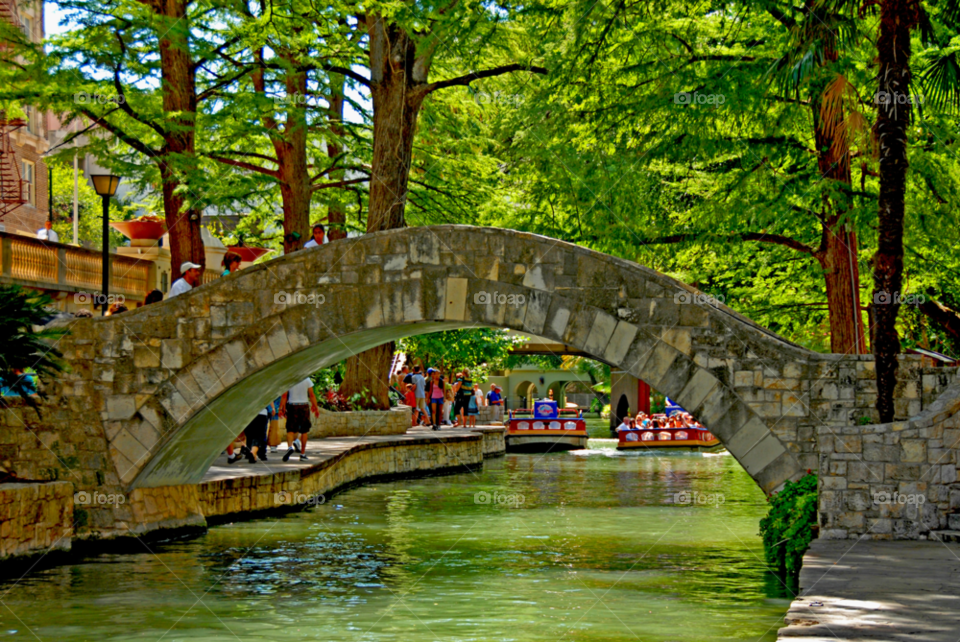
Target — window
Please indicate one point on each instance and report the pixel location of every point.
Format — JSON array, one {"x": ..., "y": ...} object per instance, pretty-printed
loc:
[
  {"x": 29, "y": 174},
  {"x": 33, "y": 120},
  {"x": 26, "y": 23}
]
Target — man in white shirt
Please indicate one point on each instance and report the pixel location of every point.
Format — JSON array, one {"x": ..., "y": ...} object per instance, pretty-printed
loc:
[
  {"x": 47, "y": 233},
  {"x": 294, "y": 406},
  {"x": 189, "y": 279},
  {"x": 318, "y": 234}
]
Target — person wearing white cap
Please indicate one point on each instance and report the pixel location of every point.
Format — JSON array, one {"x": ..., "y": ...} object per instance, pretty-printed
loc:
[{"x": 189, "y": 279}]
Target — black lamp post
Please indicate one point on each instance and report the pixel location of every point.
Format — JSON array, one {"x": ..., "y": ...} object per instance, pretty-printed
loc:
[{"x": 106, "y": 186}]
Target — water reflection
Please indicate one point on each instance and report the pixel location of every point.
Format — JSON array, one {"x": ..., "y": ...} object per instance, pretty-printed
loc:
[{"x": 597, "y": 550}]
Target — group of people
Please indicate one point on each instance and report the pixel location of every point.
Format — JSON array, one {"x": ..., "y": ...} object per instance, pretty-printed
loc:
[
  {"x": 436, "y": 401},
  {"x": 296, "y": 405},
  {"x": 660, "y": 420}
]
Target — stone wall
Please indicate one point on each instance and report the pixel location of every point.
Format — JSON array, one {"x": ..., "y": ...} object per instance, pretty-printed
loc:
[
  {"x": 35, "y": 518},
  {"x": 490, "y": 415},
  {"x": 395, "y": 421},
  {"x": 893, "y": 481},
  {"x": 363, "y": 461}
]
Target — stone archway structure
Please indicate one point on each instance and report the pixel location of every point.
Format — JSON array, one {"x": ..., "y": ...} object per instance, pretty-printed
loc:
[{"x": 173, "y": 383}]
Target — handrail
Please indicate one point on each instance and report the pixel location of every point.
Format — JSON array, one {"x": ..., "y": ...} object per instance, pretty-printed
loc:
[{"x": 56, "y": 266}]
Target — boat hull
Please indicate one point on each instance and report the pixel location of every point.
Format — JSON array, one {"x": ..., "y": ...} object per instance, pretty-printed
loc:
[
  {"x": 544, "y": 441},
  {"x": 689, "y": 438}
]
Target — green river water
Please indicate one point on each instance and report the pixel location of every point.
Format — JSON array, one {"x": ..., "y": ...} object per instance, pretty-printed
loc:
[{"x": 597, "y": 550}]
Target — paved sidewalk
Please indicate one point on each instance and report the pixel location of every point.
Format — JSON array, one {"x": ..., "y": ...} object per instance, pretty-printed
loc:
[
  {"x": 318, "y": 450},
  {"x": 877, "y": 591}
]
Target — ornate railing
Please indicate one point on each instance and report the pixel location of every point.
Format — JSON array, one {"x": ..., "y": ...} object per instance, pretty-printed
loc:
[{"x": 54, "y": 266}]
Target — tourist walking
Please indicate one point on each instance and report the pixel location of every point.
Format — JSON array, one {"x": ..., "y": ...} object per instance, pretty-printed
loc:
[
  {"x": 435, "y": 393},
  {"x": 496, "y": 401},
  {"x": 463, "y": 391},
  {"x": 296, "y": 405},
  {"x": 473, "y": 406},
  {"x": 189, "y": 279},
  {"x": 410, "y": 398},
  {"x": 448, "y": 405},
  {"x": 256, "y": 436},
  {"x": 420, "y": 391}
]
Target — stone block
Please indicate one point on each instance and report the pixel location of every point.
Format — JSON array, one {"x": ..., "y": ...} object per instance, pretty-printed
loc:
[
  {"x": 600, "y": 333},
  {"x": 761, "y": 454}
]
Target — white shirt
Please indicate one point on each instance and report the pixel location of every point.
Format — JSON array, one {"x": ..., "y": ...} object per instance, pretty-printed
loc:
[
  {"x": 299, "y": 394},
  {"x": 623, "y": 426},
  {"x": 48, "y": 235},
  {"x": 179, "y": 287},
  {"x": 313, "y": 242}
]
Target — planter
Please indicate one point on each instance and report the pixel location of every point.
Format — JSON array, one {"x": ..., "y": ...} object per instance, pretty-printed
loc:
[
  {"x": 141, "y": 233},
  {"x": 249, "y": 254}
]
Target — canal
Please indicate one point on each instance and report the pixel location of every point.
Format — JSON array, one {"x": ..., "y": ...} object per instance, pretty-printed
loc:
[{"x": 588, "y": 546}]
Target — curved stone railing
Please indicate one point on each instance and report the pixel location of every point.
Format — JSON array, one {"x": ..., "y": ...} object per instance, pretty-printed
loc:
[{"x": 896, "y": 480}]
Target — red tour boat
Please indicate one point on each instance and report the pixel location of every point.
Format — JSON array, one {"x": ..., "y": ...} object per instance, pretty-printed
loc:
[
  {"x": 689, "y": 437},
  {"x": 546, "y": 428}
]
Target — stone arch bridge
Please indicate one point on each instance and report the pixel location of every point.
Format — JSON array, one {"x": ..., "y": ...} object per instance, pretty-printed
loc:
[{"x": 171, "y": 384}]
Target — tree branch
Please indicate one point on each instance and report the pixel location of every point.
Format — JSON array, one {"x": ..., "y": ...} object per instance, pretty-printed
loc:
[
  {"x": 245, "y": 165},
  {"x": 943, "y": 316},
  {"x": 487, "y": 73},
  {"x": 776, "y": 239}
]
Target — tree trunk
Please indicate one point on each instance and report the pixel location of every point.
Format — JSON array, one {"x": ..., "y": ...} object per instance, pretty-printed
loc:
[
  {"x": 292, "y": 157},
  {"x": 838, "y": 260},
  {"x": 837, "y": 254},
  {"x": 897, "y": 19},
  {"x": 398, "y": 85},
  {"x": 177, "y": 161},
  {"x": 337, "y": 211}
]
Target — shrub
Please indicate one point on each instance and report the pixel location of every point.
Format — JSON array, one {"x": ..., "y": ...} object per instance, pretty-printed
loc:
[
  {"x": 790, "y": 525},
  {"x": 23, "y": 347}
]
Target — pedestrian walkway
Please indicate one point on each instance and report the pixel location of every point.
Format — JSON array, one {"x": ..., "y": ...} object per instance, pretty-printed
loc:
[
  {"x": 877, "y": 591},
  {"x": 322, "y": 450}
]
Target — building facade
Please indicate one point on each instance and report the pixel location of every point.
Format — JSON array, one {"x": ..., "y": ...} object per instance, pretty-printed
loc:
[{"x": 29, "y": 143}]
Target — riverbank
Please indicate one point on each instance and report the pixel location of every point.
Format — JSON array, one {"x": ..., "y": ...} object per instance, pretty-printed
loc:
[
  {"x": 868, "y": 590},
  {"x": 242, "y": 490},
  {"x": 235, "y": 492}
]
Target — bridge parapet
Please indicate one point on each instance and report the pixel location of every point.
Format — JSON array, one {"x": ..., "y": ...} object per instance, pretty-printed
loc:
[{"x": 167, "y": 386}]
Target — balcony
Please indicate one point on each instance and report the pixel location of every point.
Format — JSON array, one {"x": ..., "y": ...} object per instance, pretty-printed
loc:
[{"x": 55, "y": 267}]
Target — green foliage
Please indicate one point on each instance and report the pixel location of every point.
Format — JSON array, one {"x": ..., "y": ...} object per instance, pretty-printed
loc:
[
  {"x": 788, "y": 527},
  {"x": 25, "y": 349},
  {"x": 89, "y": 210},
  {"x": 481, "y": 350}
]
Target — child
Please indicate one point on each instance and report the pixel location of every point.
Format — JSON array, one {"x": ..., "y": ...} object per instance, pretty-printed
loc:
[{"x": 410, "y": 398}]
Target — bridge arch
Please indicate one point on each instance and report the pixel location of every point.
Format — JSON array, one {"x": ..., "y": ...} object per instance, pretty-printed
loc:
[{"x": 177, "y": 380}]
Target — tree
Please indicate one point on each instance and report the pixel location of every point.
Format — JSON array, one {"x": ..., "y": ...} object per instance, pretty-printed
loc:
[
  {"x": 403, "y": 45},
  {"x": 478, "y": 349}
]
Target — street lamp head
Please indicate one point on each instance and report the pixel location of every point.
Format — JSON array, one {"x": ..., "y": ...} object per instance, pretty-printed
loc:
[{"x": 105, "y": 184}]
